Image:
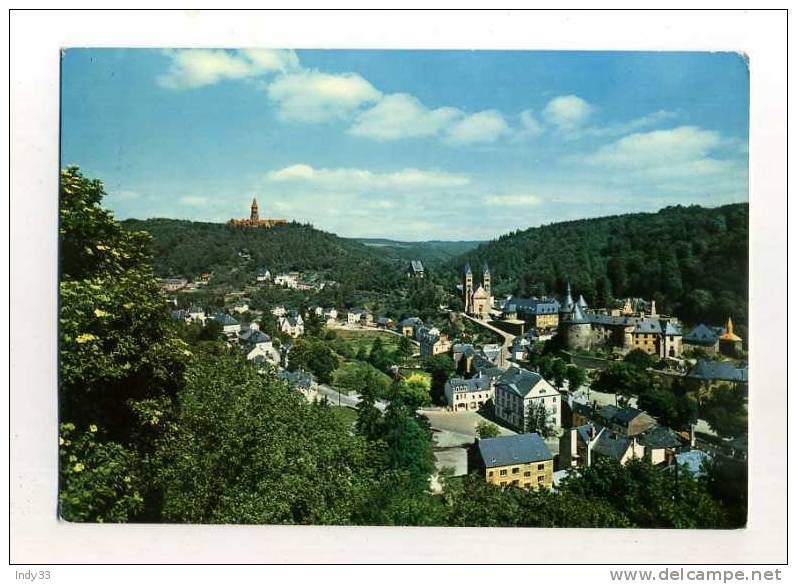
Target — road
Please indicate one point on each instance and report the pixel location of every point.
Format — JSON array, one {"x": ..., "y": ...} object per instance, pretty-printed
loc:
[
  {"x": 350, "y": 400},
  {"x": 508, "y": 338}
]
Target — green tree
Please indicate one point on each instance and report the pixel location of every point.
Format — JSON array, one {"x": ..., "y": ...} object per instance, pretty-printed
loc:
[
  {"x": 576, "y": 378},
  {"x": 246, "y": 449},
  {"x": 558, "y": 371},
  {"x": 623, "y": 380},
  {"x": 362, "y": 378},
  {"x": 405, "y": 349},
  {"x": 100, "y": 481},
  {"x": 441, "y": 367},
  {"x": 725, "y": 411},
  {"x": 413, "y": 391},
  {"x": 485, "y": 429},
  {"x": 539, "y": 420},
  {"x": 640, "y": 359},
  {"x": 314, "y": 355}
]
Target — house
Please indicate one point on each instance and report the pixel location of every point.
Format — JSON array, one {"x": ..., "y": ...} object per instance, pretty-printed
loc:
[
  {"x": 196, "y": 314},
  {"x": 630, "y": 421},
  {"x": 521, "y": 460},
  {"x": 415, "y": 269},
  {"x": 263, "y": 276},
  {"x": 661, "y": 445},
  {"x": 469, "y": 394},
  {"x": 229, "y": 326},
  {"x": 408, "y": 326},
  {"x": 494, "y": 353},
  {"x": 517, "y": 390},
  {"x": 241, "y": 306},
  {"x": 302, "y": 381},
  {"x": 576, "y": 445},
  {"x": 172, "y": 284},
  {"x": 709, "y": 374},
  {"x": 289, "y": 280},
  {"x": 520, "y": 348},
  {"x": 355, "y": 316},
  {"x": 704, "y": 338},
  {"x": 540, "y": 313},
  {"x": 367, "y": 319},
  {"x": 279, "y": 311},
  {"x": 384, "y": 322},
  {"x": 617, "y": 446},
  {"x": 292, "y": 325},
  {"x": 179, "y": 314},
  {"x": 432, "y": 345},
  {"x": 330, "y": 316},
  {"x": 259, "y": 347}
]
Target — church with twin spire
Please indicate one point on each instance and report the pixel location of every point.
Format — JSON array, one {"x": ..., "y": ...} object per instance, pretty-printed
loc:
[{"x": 478, "y": 301}]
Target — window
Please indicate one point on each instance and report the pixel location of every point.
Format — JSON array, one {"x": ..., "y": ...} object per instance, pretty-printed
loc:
[
  {"x": 515, "y": 470},
  {"x": 527, "y": 473},
  {"x": 503, "y": 483},
  {"x": 541, "y": 466},
  {"x": 490, "y": 473},
  {"x": 502, "y": 472},
  {"x": 515, "y": 482},
  {"x": 540, "y": 478}
]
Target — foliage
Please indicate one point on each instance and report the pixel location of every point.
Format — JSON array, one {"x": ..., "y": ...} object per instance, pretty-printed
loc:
[
  {"x": 485, "y": 429},
  {"x": 576, "y": 377},
  {"x": 539, "y": 420},
  {"x": 441, "y": 367},
  {"x": 314, "y": 355},
  {"x": 358, "y": 377},
  {"x": 622, "y": 379},
  {"x": 725, "y": 411},
  {"x": 647, "y": 496},
  {"x": 640, "y": 359},
  {"x": 413, "y": 391},
  {"x": 405, "y": 349},
  {"x": 246, "y": 449},
  {"x": 680, "y": 256},
  {"x": 673, "y": 408},
  {"x": 100, "y": 481}
]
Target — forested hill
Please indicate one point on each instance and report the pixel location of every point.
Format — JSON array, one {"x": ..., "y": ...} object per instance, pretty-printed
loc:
[
  {"x": 187, "y": 248},
  {"x": 431, "y": 253},
  {"x": 691, "y": 260}
]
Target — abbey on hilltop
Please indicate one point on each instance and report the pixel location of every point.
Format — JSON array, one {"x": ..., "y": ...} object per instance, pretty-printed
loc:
[{"x": 255, "y": 220}]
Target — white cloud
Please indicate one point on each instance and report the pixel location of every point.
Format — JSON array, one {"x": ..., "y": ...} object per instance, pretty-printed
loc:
[
  {"x": 657, "y": 148},
  {"x": 402, "y": 116},
  {"x": 359, "y": 179},
  {"x": 191, "y": 68},
  {"x": 514, "y": 200},
  {"x": 531, "y": 127},
  {"x": 567, "y": 112},
  {"x": 313, "y": 96},
  {"x": 479, "y": 128}
]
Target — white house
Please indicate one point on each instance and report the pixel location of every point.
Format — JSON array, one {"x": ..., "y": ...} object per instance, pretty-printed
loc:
[
  {"x": 279, "y": 311},
  {"x": 263, "y": 276},
  {"x": 517, "y": 390},
  {"x": 464, "y": 395},
  {"x": 289, "y": 280},
  {"x": 229, "y": 325},
  {"x": 292, "y": 325}
]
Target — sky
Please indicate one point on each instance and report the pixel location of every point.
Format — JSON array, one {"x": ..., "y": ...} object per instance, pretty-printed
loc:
[{"x": 407, "y": 145}]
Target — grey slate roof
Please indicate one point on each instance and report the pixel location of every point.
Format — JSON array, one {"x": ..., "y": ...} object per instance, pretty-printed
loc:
[
  {"x": 648, "y": 326},
  {"x": 301, "y": 379},
  {"x": 718, "y": 370},
  {"x": 466, "y": 269},
  {"x": 701, "y": 335},
  {"x": 411, "y": 321},
  {"x": 581, "y": 302},
  {"x": 255, "y": 337},
  {"x": 673, "y": 329},
  {"x": 577, "y": 316},
  {"x": 485, "y": 268},
  {"x": 532, "y": 306},
  {"x": 517, "y": 449},
  {"x": 470, "y": 385},
  {"x": 224, "y": 319},
  {"x": 416, "y": 266},
  {"x": 612, "y": 446},
  {"x": 567, "y": 301},
  {"x": 519, "y": 381},
  {"x": 659, "y": 437}
]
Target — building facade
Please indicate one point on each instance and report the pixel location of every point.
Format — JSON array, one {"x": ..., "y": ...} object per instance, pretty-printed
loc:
[{"x": 522, "y": 460}]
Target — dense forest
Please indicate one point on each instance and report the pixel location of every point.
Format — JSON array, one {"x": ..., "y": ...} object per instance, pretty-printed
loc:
[
  {"x": 188, "y": 248},
  {"x": 691, "y": 260},
  {"x": 433, "y": 254}
]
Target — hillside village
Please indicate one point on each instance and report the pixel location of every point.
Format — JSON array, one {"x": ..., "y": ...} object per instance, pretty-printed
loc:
[{"x": 522, "y": 392}]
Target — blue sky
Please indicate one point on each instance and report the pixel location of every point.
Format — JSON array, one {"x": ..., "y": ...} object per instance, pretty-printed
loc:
[{"x": 407, "y": 145}]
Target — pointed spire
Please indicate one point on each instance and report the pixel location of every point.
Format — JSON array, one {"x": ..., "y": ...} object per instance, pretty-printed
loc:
[
  {"x": 577, "y": 315},
  {"x": 729, "y": 326},
  {"x": 567, "y": 301},
  {"x": 485, "y": 268},
  {"x": 581, "y": 302},
  {"x": 466, "y": 269}
]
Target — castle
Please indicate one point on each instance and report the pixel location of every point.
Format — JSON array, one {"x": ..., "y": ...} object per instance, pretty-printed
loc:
[
  {"x": 479, "y": 301},
  {"x": 255, "y": 220}
]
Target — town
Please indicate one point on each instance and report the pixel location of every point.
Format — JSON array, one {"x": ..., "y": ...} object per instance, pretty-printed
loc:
[{"x": 521, "y": 391}]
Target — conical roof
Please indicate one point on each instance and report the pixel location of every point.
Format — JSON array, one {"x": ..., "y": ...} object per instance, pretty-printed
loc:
[
  {"x": 581, "y": 302},
  {"x": 577, "y": 316},
  {"x": 729, "y": 335},
  {"x": 567, "y": 301},
  {"x": 485, "y": 268},
  {"x": 466, "y": 269}
]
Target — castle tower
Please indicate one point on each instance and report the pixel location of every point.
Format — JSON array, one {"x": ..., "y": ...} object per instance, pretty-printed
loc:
[
  {"x": 567, "y": 303},
  {"x": 486, "y": 279},
  {"x": 467, "y": 288},
  {"x": 254, "y": 216}
]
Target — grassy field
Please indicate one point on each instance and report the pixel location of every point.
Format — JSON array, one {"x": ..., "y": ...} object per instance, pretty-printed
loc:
[
  {"x": 365, "y": 338},
  {"x": 347, "y": 415}
]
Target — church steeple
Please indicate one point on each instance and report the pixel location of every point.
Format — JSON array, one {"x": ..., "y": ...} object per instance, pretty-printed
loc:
[{"x": 254, "y": 216}]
